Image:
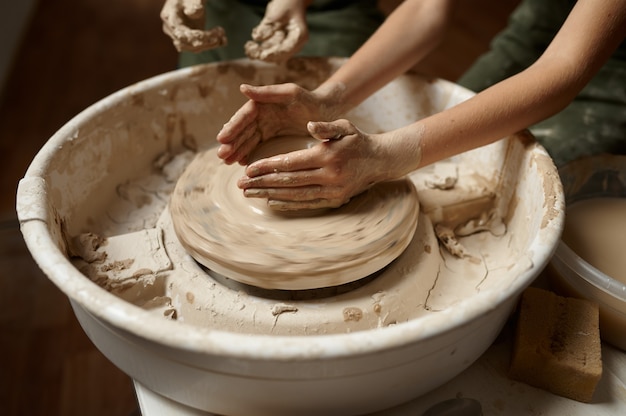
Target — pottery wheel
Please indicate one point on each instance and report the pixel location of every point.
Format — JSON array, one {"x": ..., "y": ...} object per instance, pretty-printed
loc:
[{"x": 243, "y": 239}]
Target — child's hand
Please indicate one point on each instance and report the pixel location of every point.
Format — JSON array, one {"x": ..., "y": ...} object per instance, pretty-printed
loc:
[
  {"x": 281, "y": 34},
  {"x": 273, "y": 110},
  {"x": 183, "y": 21},
  {"x": 345, "y": 163}
]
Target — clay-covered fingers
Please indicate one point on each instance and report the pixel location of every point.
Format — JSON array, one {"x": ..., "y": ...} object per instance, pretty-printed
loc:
[
  {"x": 238, "y": 150},
  {"x": 194, "y": 40},
  {"x": 331, "y": 130},
  {"x": 239, "y": 135},
  {"x": 245, "y": 116},
  {"x": 183, "y": 21},
  {"x": 272, "y": 110},
  {"x": 281, "y": 205},
  {"x": 194, "y": 9},
  {"x": 298, "y": 161},
  {"x": 254, "y": 185},
  {"x": 279, "y": 176},
  {"x": 295, "y": 199},
  {"x": 295, "y": 180},
  {"x": 294, "y": 191},
  {"x": 275, "y": 41},
  {"x": 344, "y": 164},
  {"x": 273, "y": 94},
  {"x": 281, "y": 34},
  {"x": 284, "y": 109}
]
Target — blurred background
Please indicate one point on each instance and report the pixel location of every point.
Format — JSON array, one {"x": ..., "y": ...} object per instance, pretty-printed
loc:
[{"x": 57, "y": 58}]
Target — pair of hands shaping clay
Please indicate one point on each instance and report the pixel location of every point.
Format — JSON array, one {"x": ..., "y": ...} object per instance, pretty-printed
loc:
[{"x": 281, "y": 34}]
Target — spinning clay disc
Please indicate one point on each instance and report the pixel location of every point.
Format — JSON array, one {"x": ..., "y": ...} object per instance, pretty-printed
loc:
[{"x": 245, "y": 240}]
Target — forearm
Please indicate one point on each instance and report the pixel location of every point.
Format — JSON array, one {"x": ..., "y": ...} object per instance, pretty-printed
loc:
[
  {"x": 504, "y": 109},
  {"x": 581, "y": 47},
  {"x": 414, "y": 29}
]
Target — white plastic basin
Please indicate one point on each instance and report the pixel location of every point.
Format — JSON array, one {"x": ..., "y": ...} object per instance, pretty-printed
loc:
[{"x": 74, "y": 184}]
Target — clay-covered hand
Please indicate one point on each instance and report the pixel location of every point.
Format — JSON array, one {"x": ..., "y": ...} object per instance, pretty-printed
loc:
[
  {"x": 281, "y": 34},
  {"x": 272, "y": 110},
  {"x": 345, "y": 163},
  {"x": 183, "y": 21}
]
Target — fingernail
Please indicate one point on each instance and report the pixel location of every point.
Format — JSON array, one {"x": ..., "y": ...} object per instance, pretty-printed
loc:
[
  {"x": 243, "y": 181},
  {"x": 254, "y": 193},
  {"x": 252, "y": 171}
]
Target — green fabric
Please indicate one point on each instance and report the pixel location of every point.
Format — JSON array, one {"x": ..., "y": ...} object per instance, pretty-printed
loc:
[
  {"x": 336, "y": 27},
  {"x": 596, "y": 121}
]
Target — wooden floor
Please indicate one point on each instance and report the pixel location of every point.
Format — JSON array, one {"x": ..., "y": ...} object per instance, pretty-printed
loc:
[{"x": 74, "y": 53}]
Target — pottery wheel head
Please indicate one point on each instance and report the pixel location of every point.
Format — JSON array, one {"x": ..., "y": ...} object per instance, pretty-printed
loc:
[{"x": 243, "y": 239}]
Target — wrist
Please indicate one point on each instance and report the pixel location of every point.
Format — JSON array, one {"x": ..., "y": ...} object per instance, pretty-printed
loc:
[{"x": 402, "y": 151}]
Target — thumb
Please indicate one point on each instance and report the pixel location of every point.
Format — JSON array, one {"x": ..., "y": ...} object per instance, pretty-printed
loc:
[{"x": 330, "y": 130}]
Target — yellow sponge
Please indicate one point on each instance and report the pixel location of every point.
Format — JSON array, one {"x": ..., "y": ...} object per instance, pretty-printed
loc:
[{"x": 557, "y": 345}]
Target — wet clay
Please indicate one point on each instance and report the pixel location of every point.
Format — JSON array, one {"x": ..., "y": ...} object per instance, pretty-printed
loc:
[
  {"x": 243, "y": 239},
  {"x": 425, "y": 278},
  {"x": 596, "y": 230}
]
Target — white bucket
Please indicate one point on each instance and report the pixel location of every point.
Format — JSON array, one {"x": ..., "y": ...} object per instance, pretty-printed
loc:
[{"x": 74, "y": 181}]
